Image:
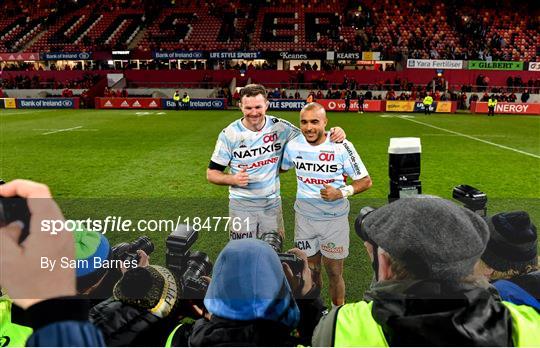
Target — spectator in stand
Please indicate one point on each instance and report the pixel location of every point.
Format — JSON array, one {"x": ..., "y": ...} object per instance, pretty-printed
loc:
[
  {"x": 1, "y": 93},
  {"x": 473, "y": 97},
  {"x": 319, "y": 94},
  {"x": 297, "y": 95},
  {"x": 525, "y": 96},
  {"x": 462, "y": 101},
  {"x": 368, "y": 95},
  {"x": 236, "y": 97},
  {"x": 360, "y": 103},
  {"x": 84, "y": 99},
  {"x": 512, "y": 97},
  {"x": 124, "y": 93},
  {"x": 347, "y": 100},
  {"x": 67, "y": 93},
  {"x": 391, "y": 95},
  {"x": 328, "y": 94}
]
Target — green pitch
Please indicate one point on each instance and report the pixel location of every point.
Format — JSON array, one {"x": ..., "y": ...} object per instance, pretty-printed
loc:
[{"x": 152, "y": 165}]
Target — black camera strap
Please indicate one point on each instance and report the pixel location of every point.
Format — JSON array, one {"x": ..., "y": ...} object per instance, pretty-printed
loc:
[{"x": 375, "y": 261}]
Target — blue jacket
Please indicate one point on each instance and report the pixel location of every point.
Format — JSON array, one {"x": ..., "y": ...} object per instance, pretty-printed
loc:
[
  {"x": 512, "y": 292},
  {"x": 62, "y": 322}
]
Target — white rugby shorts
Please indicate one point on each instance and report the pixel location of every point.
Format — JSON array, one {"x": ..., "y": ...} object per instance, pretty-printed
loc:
[
  {"x": 330, "y": 236},
  {"x": 253, "y": 224}
]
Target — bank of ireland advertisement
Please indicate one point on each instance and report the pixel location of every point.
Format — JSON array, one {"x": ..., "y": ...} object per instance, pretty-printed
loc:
[{"x": 47, "y": 103}]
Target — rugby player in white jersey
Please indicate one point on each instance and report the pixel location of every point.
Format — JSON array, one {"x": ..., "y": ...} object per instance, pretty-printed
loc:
[
  {"x": 321, "y": 207},
  {"x": 252, "y": 147}
]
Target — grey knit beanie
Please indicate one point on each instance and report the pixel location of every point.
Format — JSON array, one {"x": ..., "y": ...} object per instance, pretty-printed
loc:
[{"x": 433, "y": 237}]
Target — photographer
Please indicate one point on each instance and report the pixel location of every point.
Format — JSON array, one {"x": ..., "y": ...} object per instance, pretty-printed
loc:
[
  {"x": 424, "y": 250},
  {"x": 58, "y": 319},
  {"x": 250, "y": 302},
  {"x": 511, "y": 258},
  {"x": 11, "y": 334}
]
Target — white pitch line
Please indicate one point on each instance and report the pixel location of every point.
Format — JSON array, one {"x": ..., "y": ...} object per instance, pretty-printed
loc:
[
  {"x": 471, "y": 137},
  {"x": 24, "y": 112},
  {"x": 456, "y": 135},
  {"x": 61, "y": 130}
]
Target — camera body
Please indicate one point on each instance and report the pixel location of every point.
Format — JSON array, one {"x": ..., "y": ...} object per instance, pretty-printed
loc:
[
  {"x": 15, "y": 209},
  {"x": 276, "y": 242},
  {"x": 471, "y": 198},
  {"x": 128, "y": 251},
  {"x": 187, "y": 266}
]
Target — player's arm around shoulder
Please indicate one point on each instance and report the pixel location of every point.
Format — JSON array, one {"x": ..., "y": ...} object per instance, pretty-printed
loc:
[{"x": 287, "y": 161}]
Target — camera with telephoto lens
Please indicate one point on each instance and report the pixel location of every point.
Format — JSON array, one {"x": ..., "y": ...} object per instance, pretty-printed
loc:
[
  {"x": 188, "y": 266},
  {"x": 359, "y": 223},
  {"x": 471, "y": 198},
  {"x": 128, "y": 251},
  {"x": 276, "y": 242}
]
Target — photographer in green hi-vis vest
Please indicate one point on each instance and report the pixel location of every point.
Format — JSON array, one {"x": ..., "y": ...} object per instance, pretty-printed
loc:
[
  {"x": 429, "y": 291},
  {"x": 11, "y": 335}
]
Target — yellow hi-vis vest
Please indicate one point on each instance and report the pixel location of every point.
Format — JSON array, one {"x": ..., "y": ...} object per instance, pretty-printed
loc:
[
  {"x": 176, "y": 97},
  {"x": 351, "y": 317},
  {"x": 428, "y": 100},
  {"x": 11, "y": 335},
  {"x": 185, "y": 99},
  {"x": 492, "y": 102}
]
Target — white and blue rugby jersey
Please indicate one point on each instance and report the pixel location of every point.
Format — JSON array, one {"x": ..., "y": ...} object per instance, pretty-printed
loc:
[
  {"x": 260, "y": 153},
  {"x": 315, "y": 166}
]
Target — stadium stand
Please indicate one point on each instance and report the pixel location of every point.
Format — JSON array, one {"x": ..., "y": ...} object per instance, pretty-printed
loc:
[
  {"x": 403, "y": 28},
  {"x": 397, "y": 29}
]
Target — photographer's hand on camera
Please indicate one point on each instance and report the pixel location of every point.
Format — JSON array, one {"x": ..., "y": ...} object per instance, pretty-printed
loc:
[
  {"x": 26, "y": 282},
  {"x": 144, "y": 260},
  {"x": 304, "y": 285}
]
